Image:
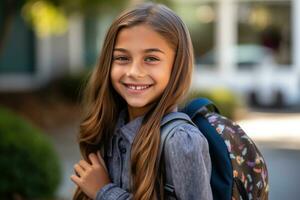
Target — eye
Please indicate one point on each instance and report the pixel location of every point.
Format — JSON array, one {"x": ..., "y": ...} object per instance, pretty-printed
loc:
[
  {"x": 151, "y": 59},
  {"x": 121, "y": 59}
]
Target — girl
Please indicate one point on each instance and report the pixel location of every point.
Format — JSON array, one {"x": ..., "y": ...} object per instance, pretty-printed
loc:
[{"x": 144, "y": 71}]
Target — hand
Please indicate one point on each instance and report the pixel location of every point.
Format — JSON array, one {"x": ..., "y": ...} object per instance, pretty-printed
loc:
[{"x": 91, "y": 177}]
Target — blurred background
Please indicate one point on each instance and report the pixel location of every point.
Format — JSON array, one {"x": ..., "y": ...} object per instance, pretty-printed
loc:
[{"x": 247, "y": 60}]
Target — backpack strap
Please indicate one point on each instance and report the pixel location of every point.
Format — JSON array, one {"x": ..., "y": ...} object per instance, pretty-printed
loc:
[
  {"x": 200, "y": 105},
  {"x": 222, "y": 173},
  {"x": 169, "y": 123}
]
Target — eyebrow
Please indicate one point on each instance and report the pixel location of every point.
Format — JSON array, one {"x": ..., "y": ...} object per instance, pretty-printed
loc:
[{"x": 146, "y": 50}]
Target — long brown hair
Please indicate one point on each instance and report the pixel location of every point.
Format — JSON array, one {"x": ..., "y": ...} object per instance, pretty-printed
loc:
[{"x": 103, "y": 104}]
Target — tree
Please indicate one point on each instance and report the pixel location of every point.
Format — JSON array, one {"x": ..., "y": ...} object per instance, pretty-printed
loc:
[{"x": 57, "y": 10}]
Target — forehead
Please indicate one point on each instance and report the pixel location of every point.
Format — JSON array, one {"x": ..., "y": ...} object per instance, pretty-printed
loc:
[{"x": 141, "y": 36}]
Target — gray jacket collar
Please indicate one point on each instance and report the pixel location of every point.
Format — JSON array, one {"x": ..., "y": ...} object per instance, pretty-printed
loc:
[
  {"x": 124, "y": 129},
  {"x": 129, "y": 130}
]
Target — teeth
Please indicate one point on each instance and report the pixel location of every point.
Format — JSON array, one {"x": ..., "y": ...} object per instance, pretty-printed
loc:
[{"x": 133, "y": 87}]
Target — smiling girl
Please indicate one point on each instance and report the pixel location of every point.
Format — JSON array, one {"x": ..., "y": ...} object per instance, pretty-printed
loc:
[{"x": 144, "y": 71}]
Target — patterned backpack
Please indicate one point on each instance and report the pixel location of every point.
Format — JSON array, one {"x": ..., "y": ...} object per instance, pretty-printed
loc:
[{"x": 239, "y": 170}]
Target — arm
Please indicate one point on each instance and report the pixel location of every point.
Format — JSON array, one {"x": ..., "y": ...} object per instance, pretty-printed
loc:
[{"x": 188, "y": 164}]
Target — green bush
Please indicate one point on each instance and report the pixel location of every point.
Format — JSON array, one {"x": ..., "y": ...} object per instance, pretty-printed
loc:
[
  {"x": 29, "y": 166},
  {"x": 226, "y": 101}
]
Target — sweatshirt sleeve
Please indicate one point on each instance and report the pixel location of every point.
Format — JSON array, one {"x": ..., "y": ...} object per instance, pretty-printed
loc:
[
  {"x": 188, "y": 164},
  {"x": 112, "y": 192}
]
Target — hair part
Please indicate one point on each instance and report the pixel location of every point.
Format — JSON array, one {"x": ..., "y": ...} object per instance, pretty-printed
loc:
[{"x": 103, "y": 104}]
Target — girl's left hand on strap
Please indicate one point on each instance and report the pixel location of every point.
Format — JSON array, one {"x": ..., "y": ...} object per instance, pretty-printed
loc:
[{"x": 91, "y": 177}]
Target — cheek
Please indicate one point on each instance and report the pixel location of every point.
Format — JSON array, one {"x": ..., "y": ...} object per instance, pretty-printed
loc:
[
  {"x": 165, "y": 74},
  {"x": 115, "y": 72},
  {"x": 162, "y": 78},
  {"x": 114, "y": 76}
]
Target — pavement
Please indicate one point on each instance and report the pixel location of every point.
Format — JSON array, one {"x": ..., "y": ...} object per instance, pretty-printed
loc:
[
  {"x": 278, "y": 130},
  {"x": 276, "y": 134},
  {"x": 64, "y": 140},
  {"x": 278, "y": 137}
]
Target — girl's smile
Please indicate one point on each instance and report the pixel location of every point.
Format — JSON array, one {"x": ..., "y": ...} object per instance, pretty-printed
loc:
[
  {"x": 137, "y": 88},
  {"x": 141, "y": 67}
]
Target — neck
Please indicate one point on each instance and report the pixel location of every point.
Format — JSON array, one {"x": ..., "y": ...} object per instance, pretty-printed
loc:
[{"x": 137, "y": 112}]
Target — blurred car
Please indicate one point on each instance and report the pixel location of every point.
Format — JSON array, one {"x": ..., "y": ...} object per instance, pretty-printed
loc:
[{"x": 255, "y": 75}]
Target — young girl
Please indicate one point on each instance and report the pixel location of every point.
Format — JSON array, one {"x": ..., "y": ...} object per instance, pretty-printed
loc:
[{"x": 143, "y": 73}]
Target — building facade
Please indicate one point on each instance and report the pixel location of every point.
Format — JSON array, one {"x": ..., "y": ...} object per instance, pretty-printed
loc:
[{"x": 249, "y": 46}]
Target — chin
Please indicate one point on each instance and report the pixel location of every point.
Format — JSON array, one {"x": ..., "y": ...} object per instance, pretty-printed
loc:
[
  {"x": 137, "y": 105},
  {"x": 140, "y": 103}
]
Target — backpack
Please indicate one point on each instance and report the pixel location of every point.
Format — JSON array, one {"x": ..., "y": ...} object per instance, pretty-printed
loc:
[{"x": 239, "y": 170}]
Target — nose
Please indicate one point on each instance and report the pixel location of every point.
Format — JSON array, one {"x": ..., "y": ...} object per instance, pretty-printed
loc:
[{"x": 136, "y": 70}]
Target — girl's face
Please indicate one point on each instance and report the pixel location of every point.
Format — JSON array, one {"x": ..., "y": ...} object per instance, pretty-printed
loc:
[{"x": 141, "y": 68}]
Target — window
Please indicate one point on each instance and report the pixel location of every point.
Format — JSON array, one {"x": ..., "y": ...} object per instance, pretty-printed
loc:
[
  {"x": 201, "y": 21},
  {"x": 264, "y": 33}
]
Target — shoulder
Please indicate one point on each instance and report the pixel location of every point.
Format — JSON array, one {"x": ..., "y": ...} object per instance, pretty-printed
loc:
[
  {"x": 185, "y": 139},
  {"x": 186, "y": 153}
]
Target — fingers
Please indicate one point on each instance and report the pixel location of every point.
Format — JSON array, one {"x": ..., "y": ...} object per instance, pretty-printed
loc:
[
  {"x": 84, "y": 164},
  {"x": 93, "y": 158},
  {"x": 101, "y": 160},
  {"x": 76, "y": 180},
  {"x": 91, "y": 174},
  {"x": 78, "y": 170},
  {"x": 97, "y": 160}
]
